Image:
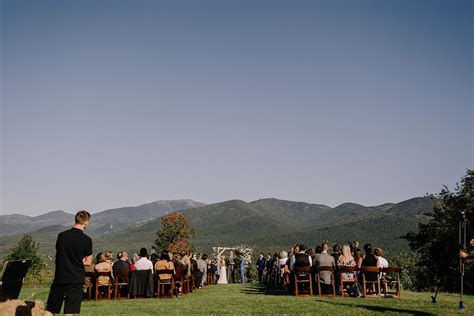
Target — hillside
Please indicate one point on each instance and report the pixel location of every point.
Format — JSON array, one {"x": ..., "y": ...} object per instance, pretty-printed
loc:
[
  {"x": 19, "y": 224},
  {"x": 272, "y": 224},
  {"x": 105, "y": 221},
  {"x": 267, "y": 224}
]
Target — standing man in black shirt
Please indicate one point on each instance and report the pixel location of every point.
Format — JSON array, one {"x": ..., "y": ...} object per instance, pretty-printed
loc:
[{"x": 73, "y": 252}]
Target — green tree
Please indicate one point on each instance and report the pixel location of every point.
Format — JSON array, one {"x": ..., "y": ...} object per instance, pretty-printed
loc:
[
  {"x": 436, "y": 242},
  {"x": 28, "y": 248},
  {"x": 174, "y": 234}
]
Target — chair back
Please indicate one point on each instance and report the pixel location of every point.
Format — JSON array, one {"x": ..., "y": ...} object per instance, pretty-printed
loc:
[
  {"x": 391, "y": 270},
  {"x": 370, "y": 269},
  {"x": 165, "y": 272},
  {"x": 325, "y": 268},
  {"x": 347, "y": 269},
  {"x": 302, "y": 270},
  {"x": 121, "y": 276},
  {"x": 104, "y": 274}
]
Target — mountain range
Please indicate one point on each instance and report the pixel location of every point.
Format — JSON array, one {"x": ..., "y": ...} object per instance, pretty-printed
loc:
[{"x": 266, "y": 224}]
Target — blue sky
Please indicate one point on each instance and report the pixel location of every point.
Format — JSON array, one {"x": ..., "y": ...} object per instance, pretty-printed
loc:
[{"x": 115, "y": 103}]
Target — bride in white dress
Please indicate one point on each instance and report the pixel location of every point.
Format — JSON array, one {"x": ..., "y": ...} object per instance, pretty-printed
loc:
[{"x": 222, "y": 272}]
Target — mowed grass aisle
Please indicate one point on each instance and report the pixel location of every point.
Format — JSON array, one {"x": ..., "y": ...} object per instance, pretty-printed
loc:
[{"x": 252, "y": 299}]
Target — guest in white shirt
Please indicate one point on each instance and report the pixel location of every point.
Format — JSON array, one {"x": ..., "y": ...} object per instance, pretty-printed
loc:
[
  {"x": 381, "y": 261},
  {"x": 143, "y": 263}
]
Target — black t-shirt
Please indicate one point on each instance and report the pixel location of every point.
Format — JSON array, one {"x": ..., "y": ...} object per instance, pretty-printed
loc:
[{"x": 71, "y": 247}]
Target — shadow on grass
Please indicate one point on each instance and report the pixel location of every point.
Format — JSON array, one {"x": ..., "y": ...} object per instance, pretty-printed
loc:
[
  {"x": 262, "y": 290},
  {"x": 257, "y": 289},
  {"x": 381, "y": 309}
]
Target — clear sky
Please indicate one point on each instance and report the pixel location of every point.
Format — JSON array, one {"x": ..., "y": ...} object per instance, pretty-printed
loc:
[{"x": 117, "y": 103}]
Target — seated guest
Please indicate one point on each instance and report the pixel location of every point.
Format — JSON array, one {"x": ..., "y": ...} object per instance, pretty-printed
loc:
[
  {"x": 369, "y": 261},
  {"x": 154, "y": 258},
  {"x": 358, "y": 258},
  {"x": 381, "y": 261},
  {"x": 122, "y": 262},
  {"x": 102, "y": 266},
  {"x": 185, "y": 261},
  {"x": 109, "y": 256},
  {"x": 336, "y": 252},
  {"x": 301, "y": 259},
  {"x": 134, "y": 259},
  {"x": 143, "y": 263},
  {"x": 294, "y": 250},
  {"x": 355, "y": 246},
  {"x": 164, "y": 264},
  {"x": 325, "y": 260},
  {"x": 284, "y": 271},
  {"x": 311, "y": 253},
  {"x": 317, "y": 252},
  {"x": 346, "y": 259}
]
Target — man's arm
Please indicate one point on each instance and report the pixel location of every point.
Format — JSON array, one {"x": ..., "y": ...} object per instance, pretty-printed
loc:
[{"x": 87, "y": 261}]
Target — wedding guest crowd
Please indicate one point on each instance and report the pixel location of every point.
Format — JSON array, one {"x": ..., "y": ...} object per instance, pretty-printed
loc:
[{"x": 279, "y": 269}]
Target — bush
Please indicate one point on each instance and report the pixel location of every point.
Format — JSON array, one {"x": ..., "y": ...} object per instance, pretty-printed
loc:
[{"x": 27, "y": 248}]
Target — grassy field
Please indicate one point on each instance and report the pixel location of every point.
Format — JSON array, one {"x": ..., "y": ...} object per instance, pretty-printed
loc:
[{"x": 252, "y": 299}]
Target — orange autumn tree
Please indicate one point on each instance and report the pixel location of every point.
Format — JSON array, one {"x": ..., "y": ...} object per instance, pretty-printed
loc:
[{"x": 174, "y": 234}]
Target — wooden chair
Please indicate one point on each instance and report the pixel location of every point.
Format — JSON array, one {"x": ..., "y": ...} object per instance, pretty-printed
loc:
[
  {"x": 346, "y": 269},
  {"x": 333, "y": 281},
  {"x": 389, "y": 282},
  {"x": 187, "y": 284},
  {"x": 375, "y": 270},
  {"x": 163, "y": 282},
  {"x": 210, "y": 278},
  {"x": 89, "y": 284},
  {"x": 302, "y": 275},
  {"x": 121, "y": 279},
  {"x": 108, "y": 286}
]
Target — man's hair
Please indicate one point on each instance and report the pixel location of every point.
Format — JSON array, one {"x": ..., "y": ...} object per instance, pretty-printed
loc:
[
  {"x": 318, "y": 249},
  {"x": 119, "y": 255},
  {"x": 368, "y": 248},
  {"x": 82, "y": 217},
  {"x": 378, "y": 252},
  {"x": 204, "y": 257},
  {"x": 302, "y": 247}
]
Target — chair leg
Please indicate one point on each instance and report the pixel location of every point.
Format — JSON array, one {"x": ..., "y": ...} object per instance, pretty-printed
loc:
[
  {"x": 96, "y": 292},
  {"x": 319, "y": 285},
  {"x": 296, "y": 286},
  {"x": 333, "y": 282},
  {"x": 363, "y": 285},
  {"x": 311, "y": 285}
]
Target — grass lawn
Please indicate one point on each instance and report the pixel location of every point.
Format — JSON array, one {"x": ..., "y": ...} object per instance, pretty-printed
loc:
[{"x": 252, "y": 299}]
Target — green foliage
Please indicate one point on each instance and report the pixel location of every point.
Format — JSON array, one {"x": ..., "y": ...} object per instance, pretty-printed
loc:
[
  {"x": 436, "y": 242},
  {"x": 28, "y": 248},
  {"x": 414, "y": 276}
]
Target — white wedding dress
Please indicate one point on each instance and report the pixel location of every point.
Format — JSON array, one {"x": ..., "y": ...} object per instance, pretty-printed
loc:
[{"x": 222, "y": 275}]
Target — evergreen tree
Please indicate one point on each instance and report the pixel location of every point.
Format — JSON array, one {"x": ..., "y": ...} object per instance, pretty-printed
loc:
[
  {"x": 27, "y": 248},
  {"x": 437, "y": 242}
]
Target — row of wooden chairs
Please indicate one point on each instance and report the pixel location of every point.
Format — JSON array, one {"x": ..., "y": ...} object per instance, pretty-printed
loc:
[
  {"x": 370, "y": 288},
  {"x": 118, "y": 281}
]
